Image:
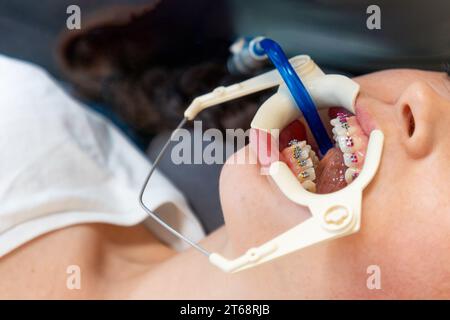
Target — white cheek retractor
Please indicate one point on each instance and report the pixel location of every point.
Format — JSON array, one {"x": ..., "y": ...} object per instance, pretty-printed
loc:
[{"x": 335, "y": 214}]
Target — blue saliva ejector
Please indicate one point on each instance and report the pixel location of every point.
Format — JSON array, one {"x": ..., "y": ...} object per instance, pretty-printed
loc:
[{"x": 248, "y": 55}]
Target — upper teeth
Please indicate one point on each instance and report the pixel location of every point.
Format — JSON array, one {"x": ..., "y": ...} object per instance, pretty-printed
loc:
[
  {"x": 350, "y": 159},
  {"x": 345, "y": 143},
  {"x": 343, "y": 134},
  {"x": 350, "y": 174}
]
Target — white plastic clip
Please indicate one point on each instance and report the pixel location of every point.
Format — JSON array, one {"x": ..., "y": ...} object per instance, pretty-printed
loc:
[
  {"x": 334, "y": 215},
  {"x": 302, "y": 64}
]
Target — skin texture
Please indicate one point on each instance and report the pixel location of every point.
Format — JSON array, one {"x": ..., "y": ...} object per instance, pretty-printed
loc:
[{"x": 405, "y": 226}]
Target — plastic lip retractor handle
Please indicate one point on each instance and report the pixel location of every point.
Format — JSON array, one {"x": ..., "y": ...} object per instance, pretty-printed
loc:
[{"x": 333, "y": 215}]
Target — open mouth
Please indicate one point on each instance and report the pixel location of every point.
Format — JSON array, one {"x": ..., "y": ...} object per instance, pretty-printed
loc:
[{"x": 339, "y": 166}]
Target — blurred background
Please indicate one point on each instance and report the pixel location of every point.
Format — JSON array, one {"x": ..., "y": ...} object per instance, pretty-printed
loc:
[
  {"x": 414, "y": 33},
  {"x": 140, "y": 62}
]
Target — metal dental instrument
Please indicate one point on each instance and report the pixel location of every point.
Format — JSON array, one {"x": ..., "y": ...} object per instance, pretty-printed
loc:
[
  {"x": 335, "y": 214},
  {"x": 153, "y": 214}
]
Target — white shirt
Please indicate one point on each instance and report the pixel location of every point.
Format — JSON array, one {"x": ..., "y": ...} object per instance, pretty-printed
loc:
[{"x": 61, "y": 164}]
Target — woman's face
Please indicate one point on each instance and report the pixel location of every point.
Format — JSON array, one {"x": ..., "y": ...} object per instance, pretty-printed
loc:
[{"x": 406, "y": 208}]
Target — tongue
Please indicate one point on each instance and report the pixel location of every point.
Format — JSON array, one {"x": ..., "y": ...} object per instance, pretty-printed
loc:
[{"x": 331, "y": 172}]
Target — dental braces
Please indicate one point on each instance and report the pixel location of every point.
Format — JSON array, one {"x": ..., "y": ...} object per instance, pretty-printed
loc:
[{"x": 333, "y": 215}]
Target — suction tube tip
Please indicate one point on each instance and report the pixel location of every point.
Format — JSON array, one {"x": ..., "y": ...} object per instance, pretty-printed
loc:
[{"x": 247, "y": 56}]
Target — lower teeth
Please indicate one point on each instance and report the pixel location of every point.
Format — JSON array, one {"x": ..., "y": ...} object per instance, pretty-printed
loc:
[
  {"x": 307, "y": 160},
  {"x": 351, "y": 174}
]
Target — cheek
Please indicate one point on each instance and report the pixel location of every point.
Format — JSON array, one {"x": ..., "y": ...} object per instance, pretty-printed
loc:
[
  {"x": 254, "y": 209},
  {"x": 403, "y": 229},
  {"x": 412, "y": 253},
  {"x": 241, "y": 196}
]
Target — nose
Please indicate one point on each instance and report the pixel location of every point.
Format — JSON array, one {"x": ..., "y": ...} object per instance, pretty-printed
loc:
[{"x": 418, "y": 110}]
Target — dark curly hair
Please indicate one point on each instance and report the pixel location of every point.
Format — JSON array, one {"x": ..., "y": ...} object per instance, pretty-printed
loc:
[
  {"x": 446, "y": 68},
  {"x": 147, "y": 63}
]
